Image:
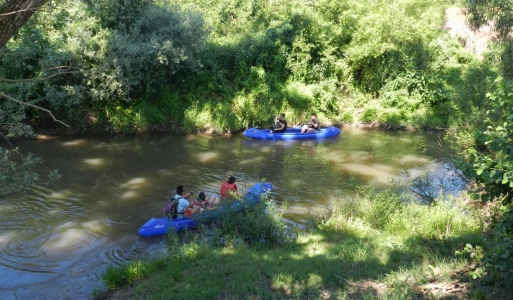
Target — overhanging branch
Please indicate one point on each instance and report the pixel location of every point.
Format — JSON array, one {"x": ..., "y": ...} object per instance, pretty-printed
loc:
[
  {"x": 17, "y": 12},
  {"x": 2, "y": 94},
  {"x": 37, "y": 79}
]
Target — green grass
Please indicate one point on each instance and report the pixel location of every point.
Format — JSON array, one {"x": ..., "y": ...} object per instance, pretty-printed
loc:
[{"x": 343, "y": 256}]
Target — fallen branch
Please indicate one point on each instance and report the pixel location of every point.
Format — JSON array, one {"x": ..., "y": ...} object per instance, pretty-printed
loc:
[{"x": 2, "y": 94}]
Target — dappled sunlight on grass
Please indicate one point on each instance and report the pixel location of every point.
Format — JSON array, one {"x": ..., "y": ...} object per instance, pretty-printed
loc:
[
  {"x": 342, "y": 253},
  {"x": 75, "y": 143},
  {"x": 207, "y": 156},
  {"x": 309, "y": 238},
  {"x": 314, "y": 279}
]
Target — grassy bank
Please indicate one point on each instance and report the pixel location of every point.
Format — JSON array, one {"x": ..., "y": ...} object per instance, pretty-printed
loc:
[{"x": 379, "y": 245}]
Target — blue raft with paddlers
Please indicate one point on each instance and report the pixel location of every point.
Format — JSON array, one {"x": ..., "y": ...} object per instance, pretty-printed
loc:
[
  {"x": 162, "y": 225},
  {"x": 291, "y": 134}
]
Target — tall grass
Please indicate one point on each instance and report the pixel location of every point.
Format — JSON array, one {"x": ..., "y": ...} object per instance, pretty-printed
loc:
[{"x": 345, "y": 254}]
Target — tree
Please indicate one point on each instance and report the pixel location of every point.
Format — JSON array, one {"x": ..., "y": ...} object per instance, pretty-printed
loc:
[
  {"x": 15, "y": 174},
  {"x": 499, "y": 15},
  {"x": 13, "y": 15}
]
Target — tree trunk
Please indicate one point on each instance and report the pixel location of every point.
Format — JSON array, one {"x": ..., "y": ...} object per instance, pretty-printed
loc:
[{"x": 14, "y": 14}]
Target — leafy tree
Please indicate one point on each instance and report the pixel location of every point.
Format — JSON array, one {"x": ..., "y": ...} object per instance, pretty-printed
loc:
[
  {"x": 499, "y": 15},
  {"x": 16, "y": 173}
]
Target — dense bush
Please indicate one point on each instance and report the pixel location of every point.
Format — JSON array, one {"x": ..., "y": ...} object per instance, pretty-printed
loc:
[
  {"x": 226, "y": 65},
  {"x": 259, "y": 225},
  {"x": 490, "y": 162}
]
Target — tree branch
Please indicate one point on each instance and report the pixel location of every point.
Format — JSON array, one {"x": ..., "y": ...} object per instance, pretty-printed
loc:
[
  {"x": 37, "y": 79},
  {"x": 17, "y": 12},
  {"x": 2, "y": 94}
]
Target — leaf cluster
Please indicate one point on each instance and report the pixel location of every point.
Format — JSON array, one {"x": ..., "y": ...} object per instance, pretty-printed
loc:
[{"x": 492, "y": 159}]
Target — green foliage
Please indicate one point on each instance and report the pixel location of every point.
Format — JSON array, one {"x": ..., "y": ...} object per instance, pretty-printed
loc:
[
  {"x": 16, "y": 173},
  {"x": 481, "y": 12},
  {"x": 498, "y": 257},
  {"x": 384, "y": 205},
  {"x": 493, "y": 257},
  {"x": 227, "y": 65},
  {"x": 255, "y": 226},
  {"x": 120, "y": 276},
  {"x": 445, "y": 219},
  {"x": 495, "y": 13},
  {"x": 259, "y": 225},
  {"x": 369, "y": 114},
  {"x": 492, "y": 160},
  {"x": 140, "y": 61}
]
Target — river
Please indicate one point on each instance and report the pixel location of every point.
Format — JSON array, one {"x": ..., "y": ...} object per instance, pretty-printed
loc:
[{"x": 56, "y": 240}]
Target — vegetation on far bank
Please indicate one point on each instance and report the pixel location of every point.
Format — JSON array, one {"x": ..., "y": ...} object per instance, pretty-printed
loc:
[{"x": 191, "y": 65}]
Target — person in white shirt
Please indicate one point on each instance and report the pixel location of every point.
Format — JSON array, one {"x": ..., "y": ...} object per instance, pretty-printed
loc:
[{"x": 185, "y": 207}]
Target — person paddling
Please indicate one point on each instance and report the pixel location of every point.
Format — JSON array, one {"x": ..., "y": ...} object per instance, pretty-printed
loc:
[{"x": 280, "y": 124}]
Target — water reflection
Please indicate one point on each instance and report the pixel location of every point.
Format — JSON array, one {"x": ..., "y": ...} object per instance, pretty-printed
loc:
[{"x": 55, "y": 241}]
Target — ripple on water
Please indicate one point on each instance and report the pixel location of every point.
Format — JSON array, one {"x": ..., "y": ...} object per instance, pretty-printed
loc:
[
  {"x": 118, "y": 254},
  {"x": 121, "y": 217}
]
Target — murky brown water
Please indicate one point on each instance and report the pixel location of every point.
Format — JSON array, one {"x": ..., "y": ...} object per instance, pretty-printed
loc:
[{"x": 55, "y": 241}]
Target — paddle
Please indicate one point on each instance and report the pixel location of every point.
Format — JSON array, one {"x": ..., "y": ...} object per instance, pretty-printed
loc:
[{"x": 274, "y": 130}]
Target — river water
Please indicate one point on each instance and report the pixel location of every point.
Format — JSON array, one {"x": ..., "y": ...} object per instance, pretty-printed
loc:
[{"x": 56, "y": 240}]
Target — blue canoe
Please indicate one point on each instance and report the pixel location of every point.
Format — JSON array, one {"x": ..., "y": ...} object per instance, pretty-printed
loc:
[
  {"x": 291, "y": 134},
  {"x": 163, "y": 225}
]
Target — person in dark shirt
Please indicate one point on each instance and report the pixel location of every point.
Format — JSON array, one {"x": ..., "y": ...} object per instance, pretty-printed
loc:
[
  {"x": 312, "y": 126},
  {"x": 280, "y": 124}
]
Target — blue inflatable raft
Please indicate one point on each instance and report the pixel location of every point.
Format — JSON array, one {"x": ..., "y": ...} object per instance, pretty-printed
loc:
[
  {"x": 291, "y": 134},
  {"x": 163, "y": 225}
]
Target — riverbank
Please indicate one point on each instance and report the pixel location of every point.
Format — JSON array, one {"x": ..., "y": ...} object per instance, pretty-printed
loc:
[
  {"x": 48, "y": 132},
  {"x": 374, "y": 246}
]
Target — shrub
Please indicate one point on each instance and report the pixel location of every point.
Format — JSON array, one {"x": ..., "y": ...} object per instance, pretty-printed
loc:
[
  {"x": 383, "y": 205},
  {"x": 120, "y": 276},
  {"x": 259, "y": 225}
]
